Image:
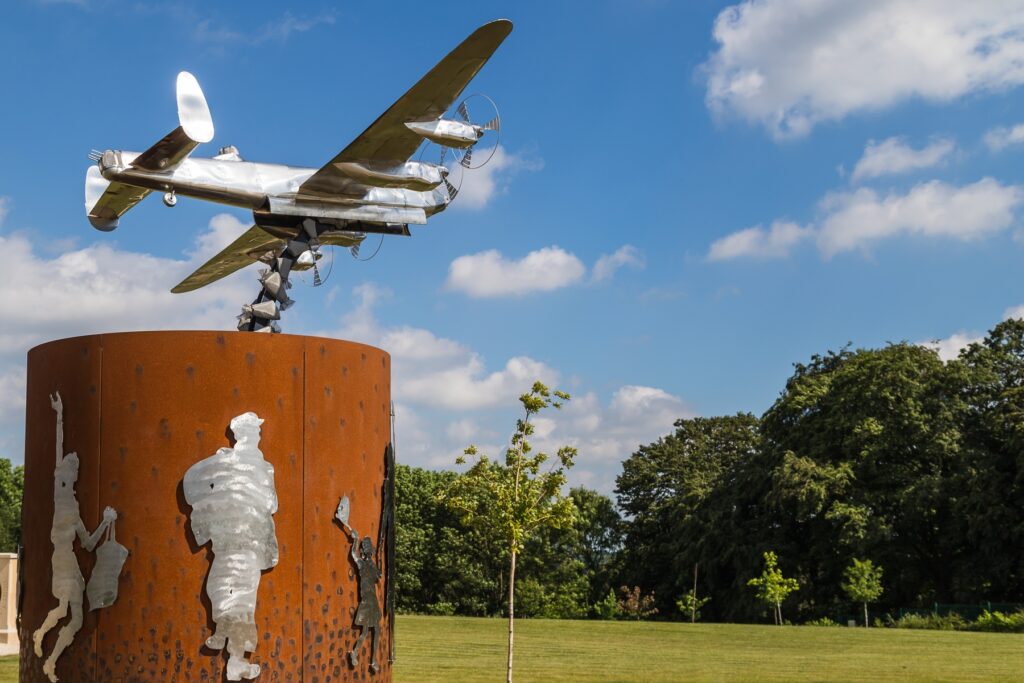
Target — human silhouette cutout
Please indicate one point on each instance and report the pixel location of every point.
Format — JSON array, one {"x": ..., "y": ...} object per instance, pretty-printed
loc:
[{"x": 67, "y": 583}]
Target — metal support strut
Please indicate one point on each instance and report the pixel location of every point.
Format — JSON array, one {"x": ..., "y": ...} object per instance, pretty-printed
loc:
[{"x": 265, "y": 310}]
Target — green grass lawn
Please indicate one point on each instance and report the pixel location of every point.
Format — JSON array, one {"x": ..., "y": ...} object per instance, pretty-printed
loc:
[
  {"x": 9, "y": 669},
  {"x": 461, "y": 650}
]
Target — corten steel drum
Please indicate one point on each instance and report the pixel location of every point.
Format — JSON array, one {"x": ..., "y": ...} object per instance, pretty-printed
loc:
[{"x": 140, "y": 409}]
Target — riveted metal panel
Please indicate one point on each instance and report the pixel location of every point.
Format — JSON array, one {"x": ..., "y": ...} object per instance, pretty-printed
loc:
[{"x": 140, "y": 409}]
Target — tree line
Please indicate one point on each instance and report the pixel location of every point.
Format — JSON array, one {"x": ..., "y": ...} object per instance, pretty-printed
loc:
[{"x": 890, "y": 455}]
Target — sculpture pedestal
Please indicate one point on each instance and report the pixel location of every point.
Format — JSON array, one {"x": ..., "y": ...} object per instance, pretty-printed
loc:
[{"x": 139, "y": 409}]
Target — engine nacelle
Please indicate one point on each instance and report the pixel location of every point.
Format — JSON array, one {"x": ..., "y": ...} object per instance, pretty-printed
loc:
[
  {"x": 412, "y": 175},
  {"x": 446, "y": 132}
]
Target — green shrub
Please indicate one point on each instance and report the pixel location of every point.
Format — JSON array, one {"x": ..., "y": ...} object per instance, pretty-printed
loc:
[
  {"x": 607, "y": 608},
  {"x": 823, "y": 621},
  {"x": 937, "y": 622},
  {"x": 441, "y": 609},
  {"x": 999, "y": 622}
]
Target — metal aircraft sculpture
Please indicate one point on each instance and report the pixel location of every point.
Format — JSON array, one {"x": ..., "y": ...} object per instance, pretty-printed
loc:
[{"x": 371, "y": 186}]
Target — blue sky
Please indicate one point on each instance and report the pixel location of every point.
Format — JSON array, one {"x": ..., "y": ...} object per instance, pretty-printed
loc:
[{"x": 689, "y": 197}]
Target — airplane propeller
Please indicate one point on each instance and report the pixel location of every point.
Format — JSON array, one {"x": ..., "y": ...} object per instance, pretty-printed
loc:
[{"x": 462, "y": 111}]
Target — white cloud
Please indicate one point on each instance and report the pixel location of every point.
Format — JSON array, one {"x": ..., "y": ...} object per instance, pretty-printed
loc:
[
  {"x": 934, "y": 209},
  {"x": 12, "y": 396},
  {"x": 479, "y": 186},
  {"x": 437, "y": 380},
  {"x": 100, "y": 288},
  {"x": 489, "y": 274},
  {"x": 278, "y": 30},
  {"x": 858, "y": 219},
  {"x": 791, "y": 64},
  {"x": 950, "y": 347},
  {"x": 607, "y": 264},
  {"x": 894, "y": 155},
  {"x": 1002, "y": 137},
  {"x": 1015, "y": 312},
  {"x": 435, "y": 372},
  {"x": 758, "y": 243},
  {"x": 607, "y": 434}
]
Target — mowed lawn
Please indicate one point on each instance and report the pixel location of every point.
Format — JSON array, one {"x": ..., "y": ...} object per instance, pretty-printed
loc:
[{"x": 462, "y": 650}]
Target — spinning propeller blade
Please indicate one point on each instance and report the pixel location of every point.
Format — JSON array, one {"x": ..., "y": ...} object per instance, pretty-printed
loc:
[{"x": 452, "y": 190}]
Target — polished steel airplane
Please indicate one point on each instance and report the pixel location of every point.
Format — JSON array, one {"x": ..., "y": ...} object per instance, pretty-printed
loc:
[{"x": 371, "y": 186}]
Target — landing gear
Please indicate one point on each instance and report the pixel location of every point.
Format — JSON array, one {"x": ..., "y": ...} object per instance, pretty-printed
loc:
[
  {"x": 170, "y": 199},
  {"x": 265, "y": 310}
]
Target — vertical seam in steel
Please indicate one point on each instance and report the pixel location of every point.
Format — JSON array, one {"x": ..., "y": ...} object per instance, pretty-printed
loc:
[
  {"x": 302, "y": 506},
  {"x": 99, "y": 483}
]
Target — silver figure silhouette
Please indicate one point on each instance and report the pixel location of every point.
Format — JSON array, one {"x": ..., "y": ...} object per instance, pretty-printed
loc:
[
  {"x": 67, "y": 583},
  {"x": 233, "y": 501},
  {"x": 368, "y": 612}
]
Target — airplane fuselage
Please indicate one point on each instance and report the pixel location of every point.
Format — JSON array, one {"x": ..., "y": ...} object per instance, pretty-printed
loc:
[{"x": 367, "y": 195}]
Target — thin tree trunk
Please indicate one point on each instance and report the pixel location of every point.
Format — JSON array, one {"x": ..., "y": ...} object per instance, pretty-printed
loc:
[
  {"x": 511, "y": 612},
  {"x": 865, "y": 615},
  {"x": 693, "y": 605}
]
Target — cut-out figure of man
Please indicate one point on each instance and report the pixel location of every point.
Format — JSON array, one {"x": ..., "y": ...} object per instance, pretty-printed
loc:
[
  {"x": 67, "y": 582},
  {"x": 233, "y": 500}
]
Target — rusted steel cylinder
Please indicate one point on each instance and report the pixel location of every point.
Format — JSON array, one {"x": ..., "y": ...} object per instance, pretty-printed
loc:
[{"x": 139, "y": 409}]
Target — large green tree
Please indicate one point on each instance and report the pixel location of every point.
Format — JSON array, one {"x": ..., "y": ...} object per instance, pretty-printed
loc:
[
  {"x": 864, "y": 457},
  {"x": 690, "y": 500},
  {"x": 12, "y": 485},
  {"x": 990, "y": 503}
]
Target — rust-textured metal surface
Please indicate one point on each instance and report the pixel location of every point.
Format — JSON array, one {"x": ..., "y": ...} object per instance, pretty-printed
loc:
[{"x": 140, "y": 409}]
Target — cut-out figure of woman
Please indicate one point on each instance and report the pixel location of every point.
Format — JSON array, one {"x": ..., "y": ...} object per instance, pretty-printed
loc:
[
  {"x": 67, "y": 583},
  {"x": 368, "y": 612},
  {"x": 233, "y": 501}
]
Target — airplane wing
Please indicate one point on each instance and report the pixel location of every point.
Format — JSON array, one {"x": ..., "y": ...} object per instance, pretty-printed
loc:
[
  {"x": 387, "y": 140},
  {"x": 253, "y": 243},
  {"x": 247, "y": 249}
]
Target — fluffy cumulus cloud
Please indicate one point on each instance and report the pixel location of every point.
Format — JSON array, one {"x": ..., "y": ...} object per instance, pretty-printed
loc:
[
  {"x": 863, "y": 217},
  {"x": 1015, "y": 312},
  {"x": 758, "y": 243},
  {"x": 606, "y": 266},
  {"x": 791, "y": 64},
  {"x": 100, "y": 288},
  {"x": 446, "y": 397},
  {"x": 12, "y": 395},
  {"x": 855, "y": 220},
  {"x": 894, "y": 155},
  {"x": 607, "y": 433},
  {"x": 489, "y": 274},
  {"x": 436, "y": 372},
  {"x": 950, "y": 347},
  {"x": 477, "y": 187},
  {"x": 1002, "y": 137}
]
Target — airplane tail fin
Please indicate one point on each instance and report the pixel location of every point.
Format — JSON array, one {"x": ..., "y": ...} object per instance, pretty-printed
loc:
[
  {"x": 195, "y": 126},
  {"x": 106, "y": 201}
]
